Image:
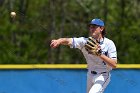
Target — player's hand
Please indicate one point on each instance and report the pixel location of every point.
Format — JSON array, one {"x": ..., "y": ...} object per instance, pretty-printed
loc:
[
  {"x": 55, "y": 43},
  {"x": 93, "y": 47}
]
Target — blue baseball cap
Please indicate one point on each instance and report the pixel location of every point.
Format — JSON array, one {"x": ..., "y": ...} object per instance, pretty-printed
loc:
[{"x": 98, "y": 22}]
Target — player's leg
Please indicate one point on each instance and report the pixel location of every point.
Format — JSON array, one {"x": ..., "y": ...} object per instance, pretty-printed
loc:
[
  {"x": 100, "y": 83},
  {"x": 89, "y": 81}
]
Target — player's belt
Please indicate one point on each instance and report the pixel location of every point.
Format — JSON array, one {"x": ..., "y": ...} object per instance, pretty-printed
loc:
[{"x": 94, "y": 72}]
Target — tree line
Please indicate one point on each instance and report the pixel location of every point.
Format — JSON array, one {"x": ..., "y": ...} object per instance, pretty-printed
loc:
[{"x": 26, "y": 38}]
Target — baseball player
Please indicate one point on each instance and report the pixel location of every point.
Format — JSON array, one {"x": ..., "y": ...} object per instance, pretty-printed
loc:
[{"x": 99, "y": 52}]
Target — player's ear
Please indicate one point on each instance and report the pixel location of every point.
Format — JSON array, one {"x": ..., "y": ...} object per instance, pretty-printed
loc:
[{"x": 102, "y": 28}]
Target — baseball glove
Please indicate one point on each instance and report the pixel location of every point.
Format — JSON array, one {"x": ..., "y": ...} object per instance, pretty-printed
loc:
[{"x": 92, "y": 46}]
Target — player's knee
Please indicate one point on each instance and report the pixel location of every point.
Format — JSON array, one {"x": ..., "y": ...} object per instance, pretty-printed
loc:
[{"x": 96, "y": 89}]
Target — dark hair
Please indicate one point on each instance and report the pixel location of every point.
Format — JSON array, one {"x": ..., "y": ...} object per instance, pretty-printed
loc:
[{"x": 104, "y": 32}]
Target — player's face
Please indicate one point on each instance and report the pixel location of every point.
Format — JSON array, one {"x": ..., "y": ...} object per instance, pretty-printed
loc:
[{"x": 95, "y": 30}]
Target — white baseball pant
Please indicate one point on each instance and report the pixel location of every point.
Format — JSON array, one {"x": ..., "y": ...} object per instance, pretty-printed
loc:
[{"x": 96, "y": 83}]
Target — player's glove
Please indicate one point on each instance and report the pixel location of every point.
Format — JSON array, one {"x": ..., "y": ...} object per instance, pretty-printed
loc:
[{"x": 92, "y": 46}]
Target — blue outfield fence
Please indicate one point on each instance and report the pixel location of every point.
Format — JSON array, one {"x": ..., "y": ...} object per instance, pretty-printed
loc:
[{"x": 64, "y": 81}]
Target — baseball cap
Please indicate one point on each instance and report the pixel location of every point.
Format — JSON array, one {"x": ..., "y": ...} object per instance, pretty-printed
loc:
[{"x": 97, "y": 21}]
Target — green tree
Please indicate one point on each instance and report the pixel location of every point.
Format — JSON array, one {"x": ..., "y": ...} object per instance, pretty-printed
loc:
[{"x": 26, "y": 39}]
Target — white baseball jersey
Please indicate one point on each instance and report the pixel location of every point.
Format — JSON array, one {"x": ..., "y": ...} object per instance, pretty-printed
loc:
[{"x": 94, "y": 63}]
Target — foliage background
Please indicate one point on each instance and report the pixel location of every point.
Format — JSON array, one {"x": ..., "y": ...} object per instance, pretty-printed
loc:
[{"x": 26, "y": 39}]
